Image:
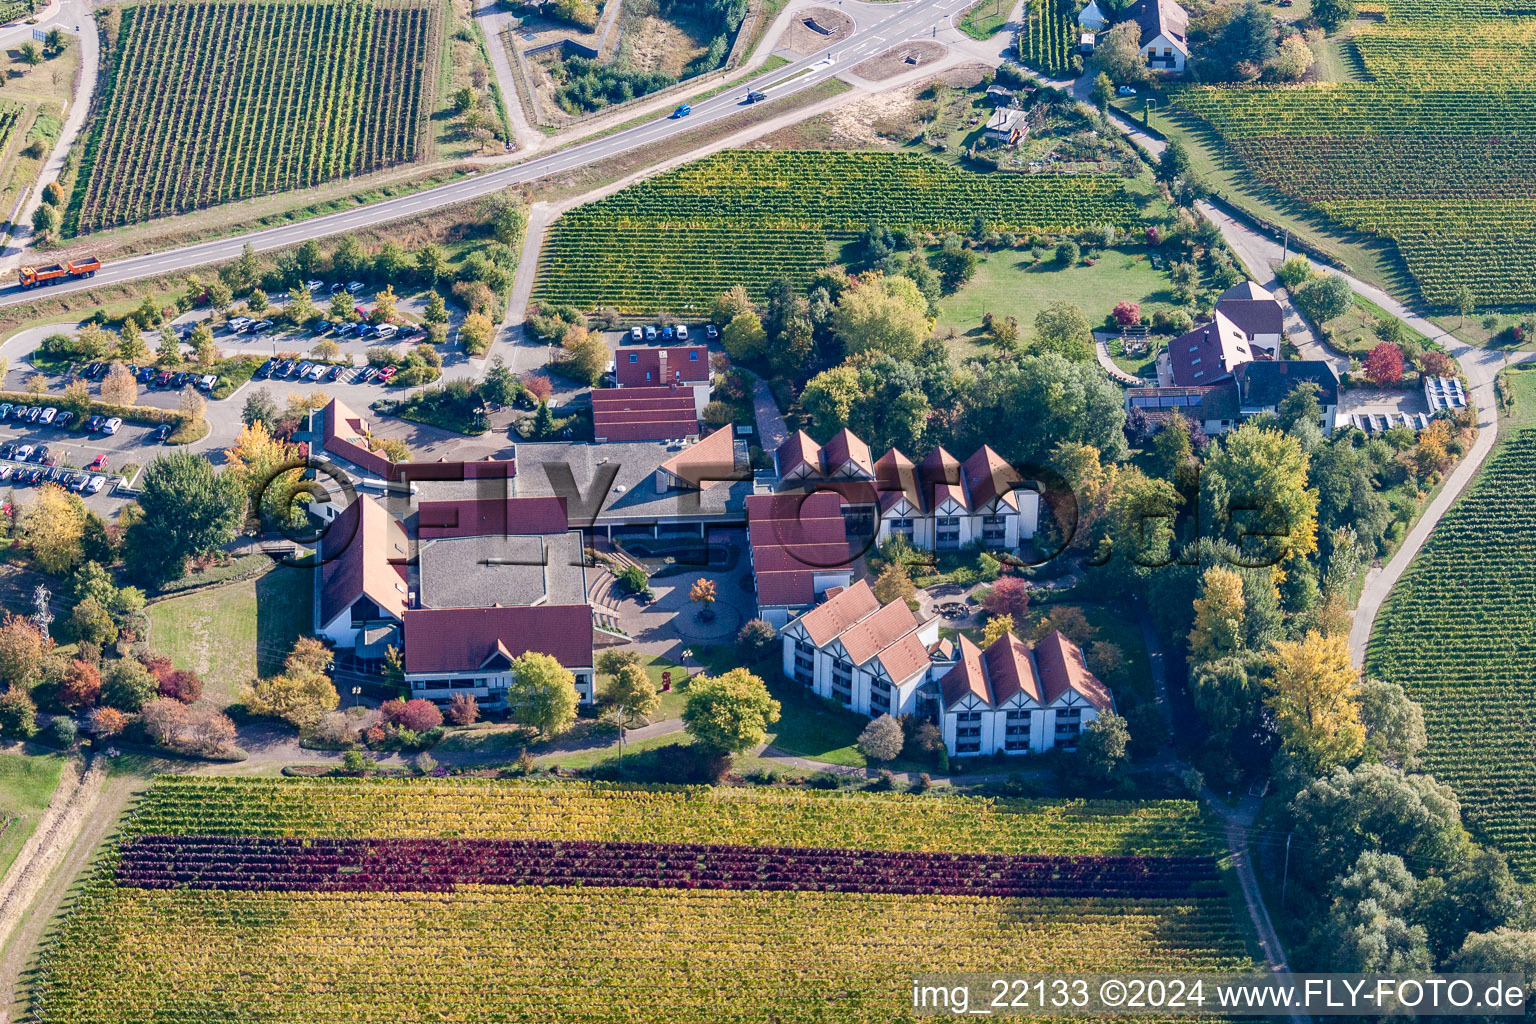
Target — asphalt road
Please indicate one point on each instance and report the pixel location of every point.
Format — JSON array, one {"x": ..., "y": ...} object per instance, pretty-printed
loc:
[{"x": 874, "y": 32}]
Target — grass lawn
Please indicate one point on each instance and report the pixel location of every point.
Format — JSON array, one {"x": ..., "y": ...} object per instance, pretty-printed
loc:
[
  {"x": 672, "y": 700},
  {"x": 231, "y": 634},
  {"x": 607, "y": 757},
  {"x": 1355, "y": 331},
  {"x": 985, "y": 18},
  {"x": 27, "y": 782},
  {"x": 1009, "y": 283}
]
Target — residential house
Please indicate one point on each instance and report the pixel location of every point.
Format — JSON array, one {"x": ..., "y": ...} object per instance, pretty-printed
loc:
[
  {"x": 660, "y": 413},
  {"x": 1007, "y": 126},
  {"x": 1208, "y": 354},
  {"x": 1009, "y": 699},
  {"x": 1164, "y": 34},
  {"x": 798, "y": 545},
  {"x": 873, "y": 659},
  {"x": 1263, "y": 385},
  {"x": 940, "y": 504},
  {"x": 1257, "y": 314},
  {"x": 361, "y": 588},
  {"x": 1213, "y": 408},
  {"x": 471, "y": 650}
]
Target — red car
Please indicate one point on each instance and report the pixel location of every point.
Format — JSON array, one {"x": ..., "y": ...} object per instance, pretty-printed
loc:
[
  {"x": 99, "y": 462},
  {"x": 388, "y": 374}
]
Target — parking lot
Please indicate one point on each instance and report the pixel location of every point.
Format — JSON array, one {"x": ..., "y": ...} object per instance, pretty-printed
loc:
[{"x": 133, "y": 443}]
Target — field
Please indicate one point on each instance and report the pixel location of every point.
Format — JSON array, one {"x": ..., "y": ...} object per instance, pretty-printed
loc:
[
  {"x": 229, "y": 634},
  {"x": 466, "y": 900},
  {"x": 27, "y": 782},
  {"x": 1009, "y": 283},
  {"x": 1459, "y": 632},
  {"x": 1049, "y": 38},
  {"x": 984, "y": 19},
  {"x": 748, "y": 217},
  {"x": 206, "y": 103},
  {"x": 1436, "y": 152}
]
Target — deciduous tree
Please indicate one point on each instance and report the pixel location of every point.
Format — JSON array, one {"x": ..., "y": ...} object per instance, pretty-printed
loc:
[
  {"x": 1316, "y": 701},
  {"x": 542, "y": 694},
  {"x": 729, "y": 712},
  {"x": 882, "y": 739}
]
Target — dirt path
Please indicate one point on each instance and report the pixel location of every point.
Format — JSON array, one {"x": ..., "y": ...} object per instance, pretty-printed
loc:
[{"x": 68, "y": 832}]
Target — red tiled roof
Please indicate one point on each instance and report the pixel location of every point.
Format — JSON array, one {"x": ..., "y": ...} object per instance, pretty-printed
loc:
[
  {"x": 877, "y": 631},
  {"x": 491, "y": 517},
  {"x": 832, "y": 617},
  {"x": 711, "y": 460},
  {"x": 345, "y": 436},
  {"x": 1063, "y": 668},
  {"x": 939, "y": 473},
  {"x": 967, "y": 677},
  {"x": 649, "y": 367},
  {"x": 363, "y": 549},
  {"x": 643, "y": 414},
  {"x": 896, "y": 478},
  {"x": 793, "y": 537},
  {"x": 987, "y": 475},
  {"x": 799, "y": 450},
  {"x": 1009, "y": 669},
  {"x": 845, "y": 447},
  {"x": 1209, "y": 353},
  {"x": 461, "y": 639}
]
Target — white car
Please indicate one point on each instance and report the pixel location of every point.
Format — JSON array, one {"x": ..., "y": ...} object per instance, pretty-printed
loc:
[
  {"x": 314, "y": 286},
  {"x": 96, "y": 484},
  {"x": 650, "y": 333},
  {"x": 81, "y": 483},
  {"x": 354, "y": 287},
  {"x": 636, "y": 334},
  {"x": 23, "y": 453},
  {"x": 112, "y": 426},
  {"x": 1126, "y": 90},
  {"x": 387, "y": 330},
  {"x": 239, "y": 324},
  {"x": 682, "y": 332},
  {"x": 47, "y": 415},
  {"x": 317, "y": 371}
]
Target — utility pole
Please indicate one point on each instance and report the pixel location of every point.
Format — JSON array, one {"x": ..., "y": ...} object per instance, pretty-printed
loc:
[{"x": 1286, "y": 877}]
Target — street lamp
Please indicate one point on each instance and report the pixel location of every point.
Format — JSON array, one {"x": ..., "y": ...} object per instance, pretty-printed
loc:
[{"x": 356, "y": 695}]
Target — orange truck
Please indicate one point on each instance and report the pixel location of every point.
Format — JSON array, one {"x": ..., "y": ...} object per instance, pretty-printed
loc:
[{"x": 32, "y": 277}]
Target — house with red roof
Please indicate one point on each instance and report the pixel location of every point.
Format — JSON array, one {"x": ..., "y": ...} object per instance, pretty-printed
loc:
[
  {"x": 361, "y": 590},
  {"x": 938, "y": 504},
  {"x": 798, "y": 546},
  {"x": 661, "y": 413},
  {"x": 1009, "y": 699},
  {"x": 449, "y": 651},
  {"x": 871, "y": 658}
]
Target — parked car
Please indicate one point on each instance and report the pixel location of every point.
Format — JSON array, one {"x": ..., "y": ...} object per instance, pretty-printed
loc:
[
  {"x": 666, "y": 333},
  {"x": 304, "y": 368},
  {"x": 387, "y": 374},
  {"x": 162, "y": 432},
  {"x": 23, "y": 453},
  {"x": 335, "y": 373},
  {"x": 98, "y": 462},
  {"x": 386, "y": 330},
  {"x": 77, "y": 481},
  {"x": 314, "y": 286},
  {"x": 90, "y": 371},
  {"x": 344, "y": 329},
  {"x": 321, "y": 327},
  {"x": 112, "y": 425},
  {"x": 94, "y": 423},
  {"x": 354, "y": 286},
  {"x": 33, "y": 413},
  {"x": 207, "y": 381},
  {"x": 146, "y": 375},
  {"x": 261, "y": 326},
  {"x": 63, "y": 419},
  {"x": 237, "y": 325},
  {"x": 409, "y": 330},
  {"x": 96, "y": 483},
  {"x": 710, "y": 333},
  {"x": 5, "y": 473},
  {"x": 5, "y": 410},
  {"x": 264, "y": 370},
  {"x": 636, "y": 334},
  {"x": 650, "y": 332},
  {"x": 367, "y": 331},
  {"x": 1126, "y": 90},
  {"x": 318, "y": 371},
  {"x": 682, "y": 332},
  {"x": 43, "y": 455},
  {"x": 163, "y": 380},
  {"x": 368, "y": 375}
]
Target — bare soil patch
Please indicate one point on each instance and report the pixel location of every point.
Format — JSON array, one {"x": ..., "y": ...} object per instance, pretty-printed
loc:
[
  {"x": 878, "y": 121},
  {"x": 650, "y": 43},
  {"x": 898, "y": 60},
  {"x": 815, "y": 28}
]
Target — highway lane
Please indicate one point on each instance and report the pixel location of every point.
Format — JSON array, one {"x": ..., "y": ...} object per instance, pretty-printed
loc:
[{"x": 905, "y": 22}]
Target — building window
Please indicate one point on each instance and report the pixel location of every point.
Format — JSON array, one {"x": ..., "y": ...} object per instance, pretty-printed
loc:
[
  {"x": 1012, "y": 744},
  {"x": 804, "y": 648},
  {"x": 973, "y": 747},
  {"x": 633, "y": 358},
  {"x": 693, "y": 356}
]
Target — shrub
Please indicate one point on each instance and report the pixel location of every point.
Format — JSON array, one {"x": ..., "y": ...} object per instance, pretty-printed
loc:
[
  {"x": 1127, "y": 314},
  {"x": 182, "y": 685},
  {"x": 18, "y": 715},
  {"x": 463, "y": 709},
  {"x": 61, "y": 732},
  {"x": 882, "y": 739},
  {"x": 417, "y": 715},
  {"x": 1068, "y": 253},
  {"x": 756, "y": 636}
]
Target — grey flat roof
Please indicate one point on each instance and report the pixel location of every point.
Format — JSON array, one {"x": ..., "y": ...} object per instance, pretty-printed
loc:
[
  {"x": 622, "y": 477},
  {"x": 479, "y": 572}
]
